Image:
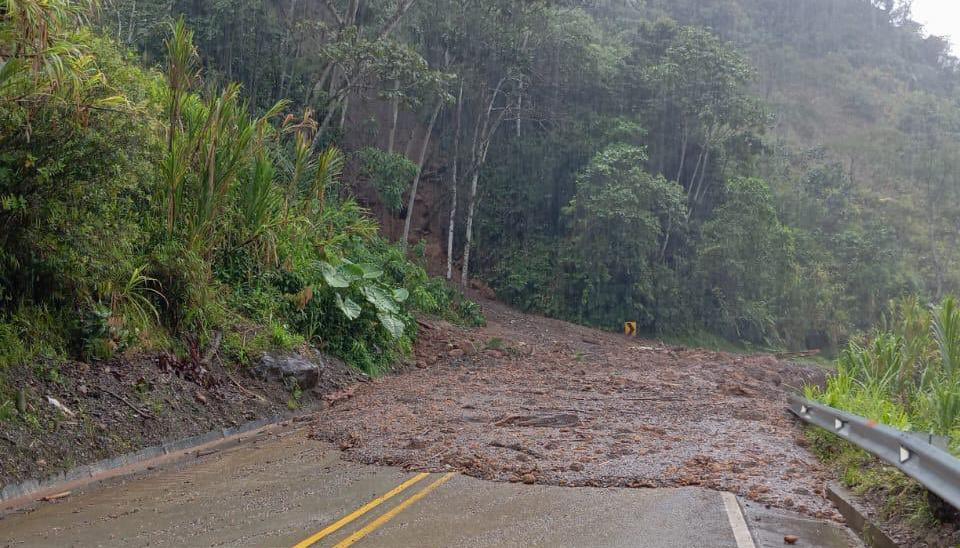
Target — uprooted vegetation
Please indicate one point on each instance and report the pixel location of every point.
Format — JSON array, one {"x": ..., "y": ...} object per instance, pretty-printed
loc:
[{"x": 147, "y": 212}]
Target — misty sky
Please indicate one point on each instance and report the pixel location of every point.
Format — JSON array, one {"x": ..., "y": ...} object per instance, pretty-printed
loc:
[{"x": 940, "y": 17}]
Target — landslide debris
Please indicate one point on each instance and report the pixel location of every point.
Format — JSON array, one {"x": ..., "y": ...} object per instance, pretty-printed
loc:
[{"x": 534, "y": 400}]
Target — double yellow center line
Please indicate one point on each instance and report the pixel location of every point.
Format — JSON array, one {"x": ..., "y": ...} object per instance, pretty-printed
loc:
[{"x": 377, "y": 523}]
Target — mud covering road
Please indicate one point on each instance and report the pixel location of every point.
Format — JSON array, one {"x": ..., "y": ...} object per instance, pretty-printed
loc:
[
  {"x": 278, "y": 488},
  {"x": 535, "y": 400}
]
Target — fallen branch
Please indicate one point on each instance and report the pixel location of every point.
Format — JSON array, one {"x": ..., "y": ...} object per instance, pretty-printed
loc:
[
  {"x": 540, "y": 421},
  {"x": 139, "y": 411},
  {"x": 656, "y": 398},
  {"x": 241, "y": 388},
  {"x": 792, "y": 355}
]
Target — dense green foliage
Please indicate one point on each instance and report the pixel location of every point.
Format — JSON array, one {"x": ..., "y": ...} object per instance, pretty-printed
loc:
[
  {"x": 792, "y": 167},
  {"x": 907, "y": 373},
  {"x": 771, "y": 174},
  {"x": 142, "y": 210}
]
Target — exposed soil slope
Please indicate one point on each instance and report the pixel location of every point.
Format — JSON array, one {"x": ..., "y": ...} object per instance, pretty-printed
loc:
[
  {"x": 542, "y": 401},
  {"x": 126, "y": 404}
]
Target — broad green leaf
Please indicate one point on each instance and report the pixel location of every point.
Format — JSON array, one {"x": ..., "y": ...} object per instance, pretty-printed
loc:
[
  {"x": 400, "y": 295},
  {"x": 378, "y": 298},
  {"x": 332, "y": 276},
  {"x": 352, "y": 271},
  {"x": 392, "y": 324},
  {"x": 370, "y": 272},
  {"x": 349, "y": 308}
]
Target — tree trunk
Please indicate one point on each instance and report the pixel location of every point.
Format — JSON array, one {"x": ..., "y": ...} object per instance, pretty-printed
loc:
[
  {"x": 481, "y": 148},
  {"x": 519, "y": 105},
  {"x": 394, "y": 114},
  {"x": 683, "y": 154},
  {"x": 132, "y": 25},
  {"x": 703, "y": 172},
  {"x": 416, "y": 179},
  {"x": 343, "y": 112},
  {"x": 454, "y": 182},
  {"x": 471, "y": 207}
]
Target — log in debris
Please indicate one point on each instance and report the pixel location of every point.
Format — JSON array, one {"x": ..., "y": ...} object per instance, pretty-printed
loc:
[
  {"x": 58, "y": 496},
  {"x": 540, "y": 421},
  {"x": 794, "y": 355}
]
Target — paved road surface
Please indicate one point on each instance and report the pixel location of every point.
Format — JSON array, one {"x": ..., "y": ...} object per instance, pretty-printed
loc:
[{"x": 281, "y": 489}]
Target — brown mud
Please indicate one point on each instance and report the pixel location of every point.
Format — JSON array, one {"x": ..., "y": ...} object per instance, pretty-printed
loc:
[{"x": 534, "y": 400}]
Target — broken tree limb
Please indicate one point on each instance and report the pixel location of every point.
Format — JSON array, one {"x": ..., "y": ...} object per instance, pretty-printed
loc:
[{"x": 139, "y": 411}]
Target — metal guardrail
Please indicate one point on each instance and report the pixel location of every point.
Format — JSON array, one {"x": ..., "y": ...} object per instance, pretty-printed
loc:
[{"x": 915, "y": 456}]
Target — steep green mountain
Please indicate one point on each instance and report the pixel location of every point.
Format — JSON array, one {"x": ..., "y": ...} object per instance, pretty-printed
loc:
[{"x": 865, "y": 102}]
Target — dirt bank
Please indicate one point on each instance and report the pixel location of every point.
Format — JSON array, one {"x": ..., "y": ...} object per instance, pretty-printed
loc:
[{"x": 122, "y": 405}]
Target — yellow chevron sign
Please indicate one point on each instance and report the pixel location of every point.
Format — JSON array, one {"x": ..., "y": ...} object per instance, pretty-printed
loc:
[{"x": 630, "y": 329}]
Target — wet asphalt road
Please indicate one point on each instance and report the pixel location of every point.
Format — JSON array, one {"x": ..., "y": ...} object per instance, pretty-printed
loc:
[{"x": 282, "y": 488}]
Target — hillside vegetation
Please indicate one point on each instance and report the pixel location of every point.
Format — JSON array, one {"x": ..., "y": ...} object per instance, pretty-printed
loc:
[
  {"x": 152, "y": 210},
  {"x": 772, "y": 175}
]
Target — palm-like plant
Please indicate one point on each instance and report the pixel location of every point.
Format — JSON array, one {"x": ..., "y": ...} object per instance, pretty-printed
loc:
[
  {"x": 210, "y": 144},
  {"x": 182, "y": 72},
  {"x": 40, "y": 66},
  {"x": 329, "y": 169},
  {"x": 946, "y": 333},
  {"x": 262, "y": 207}
]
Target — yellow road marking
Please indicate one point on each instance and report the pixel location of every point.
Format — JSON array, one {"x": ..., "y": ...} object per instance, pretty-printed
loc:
[
  {"x": 375, "y": 524},
  {"x": 360, "y": 511}
]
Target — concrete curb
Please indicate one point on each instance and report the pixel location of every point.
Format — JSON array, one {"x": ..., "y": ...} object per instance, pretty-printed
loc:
[
  {"x": 20, "y": 494},
  {"x": 857, "y": 519}
]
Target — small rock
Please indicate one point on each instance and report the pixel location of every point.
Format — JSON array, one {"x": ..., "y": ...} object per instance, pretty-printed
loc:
[
  {"x": 791, "y": 539},
  {"x": 576, "y": 467},
  {"x": 529, "y": 479},
  {"x": 201, "y": 398},
  {"x": 455, "y": 353},
  {"x": 417, "y": 443}
]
